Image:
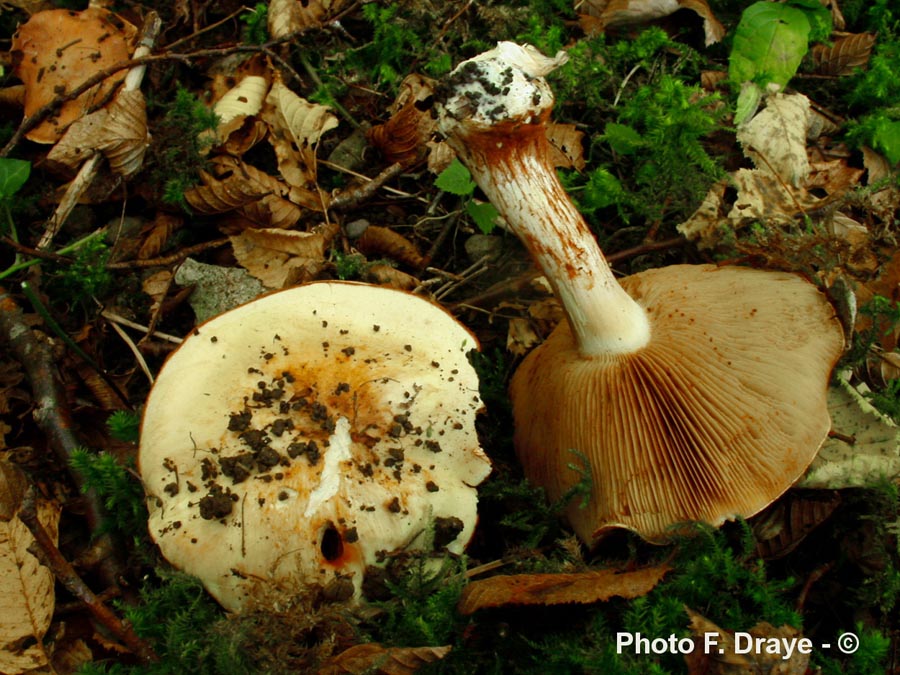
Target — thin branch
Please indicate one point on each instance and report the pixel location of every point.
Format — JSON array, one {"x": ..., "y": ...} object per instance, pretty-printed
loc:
[{"x": 49, "y": 555}]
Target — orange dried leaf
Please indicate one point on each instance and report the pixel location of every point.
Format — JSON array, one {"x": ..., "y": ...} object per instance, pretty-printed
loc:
[
  {"x": 565, "y": 143},
  {"x": 220, "y": 196},
  {"x": 376, "y": 659},
  {"x": 404, "y": 136},
  {"x": 385, "y": 275},
  {"x": 558, "y": 589},
  {"x": 844, "y": 56},
  {"x": 56, "y": 51},
  {"x": 383, "y": 242}
]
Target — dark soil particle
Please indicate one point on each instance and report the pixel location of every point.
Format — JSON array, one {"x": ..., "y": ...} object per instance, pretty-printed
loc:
[
  {"x": 446, "y": 530},
  {"x": 216, "y": 504}
]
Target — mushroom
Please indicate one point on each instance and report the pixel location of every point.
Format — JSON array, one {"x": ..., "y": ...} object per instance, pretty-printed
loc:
[
  {"x": 298, "y": 439},
  {"x": 693, "y": 392}
]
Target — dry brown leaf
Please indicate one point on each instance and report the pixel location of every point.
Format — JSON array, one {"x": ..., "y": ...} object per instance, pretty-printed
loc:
[
  {"x": 558, "y": 589},
  {"x": 884, "y": 202},
  {"x": 520, "y": 336},
  {"x": 376, "y": 659},
  {"x": 603, "y": 14},
  {"x": 26, "y": 586},
  {"x": 730, "y": 655},
  {"x": 280, "y": 258},
  {"x": 78, "y": 143},
  {"x": 404, "y": 136},
  {"x": 228, "y": 194},
  {"x": 289, "y": 16},
  {"x": 157, "y": 234},
  {"x": 565, "y": 146},
  {"x": 157, "y": 285},
  {"x": 124, "y": 138},
  {"x": 383, "y": 242},
  {"x": 763, "y": 197},
  {"x": 57, "y": 50},
  {"x": 848, "y": 53},
  {"x": 295, "y": 127},
  {"x": 385, "y": 275},
  {"x": 775, "y": 139},
  {"x": 785, "y": 524}
]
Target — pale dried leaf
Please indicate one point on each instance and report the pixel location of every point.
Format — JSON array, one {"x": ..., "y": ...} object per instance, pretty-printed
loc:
[
  {"x": 763, "y": 197},
  {"x": 520, "y": 336},
  {"x": 279, "y": 258},
  {"x": 216, "y": 289},
  {"x": 78, "y": 142},
  {"x": 243, "y": 100},
  {"x": 26, "y": 586},
  {"x": 845, "y": 56},
  {"x": 124, "y": 138},
  {"x": 375, "y": 659},
  {"x": 705, "y": 224},
  {"x": 289, "y": 16},
  {"x": 296, "y": 125},
  {"x": 157, "y": 285},
  {"x": 57, "y": 50},
  {"x": 775, "y": 139},
  {"x": 873, "y": 454},
  {"x": 565, "y": 143},
  {"x": 557, "y": 589},
  {"x": 440, "y": 156},
  {"x": 884, "y": 202}
]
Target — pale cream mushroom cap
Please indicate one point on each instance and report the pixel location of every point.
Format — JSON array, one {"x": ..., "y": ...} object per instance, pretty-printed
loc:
[
  {"x": 377, "y": 379},
  {"x": 718, "y": 415}
]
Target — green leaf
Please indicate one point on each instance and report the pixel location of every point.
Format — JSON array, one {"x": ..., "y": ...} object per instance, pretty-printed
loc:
[
  {"x": 769, "y": 43},
  {"x": 13, "y": 174},
  {"x": 886, "y": 139},
  {"x": 819, "y": 16},
  {"x": 455, "y": 179},
  {"x": 484, "y": 215},
  {"x": 622, "y": 138}
]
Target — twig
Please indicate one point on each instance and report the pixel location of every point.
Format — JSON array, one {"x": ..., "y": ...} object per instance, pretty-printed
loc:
[
  {"x": 115, "y": 318},
  {"x": 51, "y": 413},
  {"x": 62, "y": 569},
  {"x": 165, "y": 261},
  {"x": 349, "y": 199},
  {"x": 134, "y": 350}
]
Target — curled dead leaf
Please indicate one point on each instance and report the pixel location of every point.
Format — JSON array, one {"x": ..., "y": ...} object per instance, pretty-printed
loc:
[
  {"x": 280, "y": 258},
  {"x": 383, "y": 242},
  {"x": 557, "y": 589},
  {"x": 565, "y": 143},
  {"x": 124, "y": 137},
  {"x": 844, "y": 56},
  {"x": 290, "y": 16},
  {"x": 403, "y": 138},
  {"x": 385, "y": 275},
  {"x": 783, "y": 526},
  {"x": 295, "y": 127},
  {"x": 57, "y": 50}
]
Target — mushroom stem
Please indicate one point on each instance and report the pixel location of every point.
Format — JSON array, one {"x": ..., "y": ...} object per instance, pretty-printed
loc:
[
  {"x": 505, "y": 147},
  {"x": 517, "y": 176}
]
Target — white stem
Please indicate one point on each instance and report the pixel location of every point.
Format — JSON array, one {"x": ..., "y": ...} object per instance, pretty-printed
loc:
[
  {"x": 493, "y": 114},
  {"x": 524, "y": 187}
]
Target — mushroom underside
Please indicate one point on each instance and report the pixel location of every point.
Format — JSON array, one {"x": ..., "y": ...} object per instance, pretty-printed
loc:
[{"x": 715, "y": 418}]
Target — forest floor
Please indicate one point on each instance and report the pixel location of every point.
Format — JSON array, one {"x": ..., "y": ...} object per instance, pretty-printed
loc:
[{"x": 256, "y": 149}]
